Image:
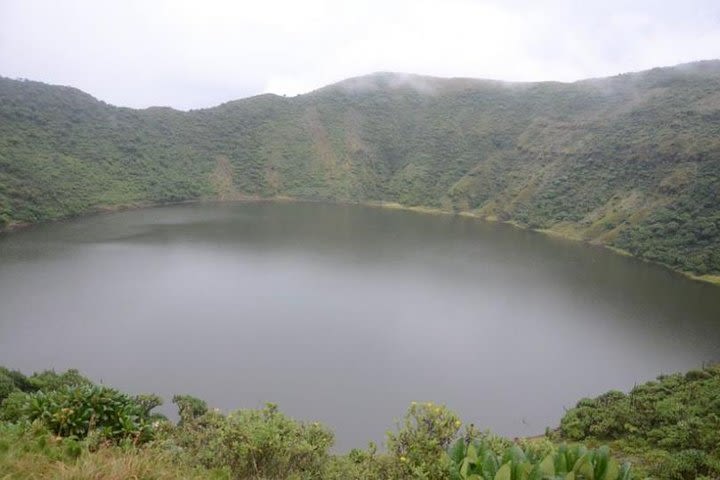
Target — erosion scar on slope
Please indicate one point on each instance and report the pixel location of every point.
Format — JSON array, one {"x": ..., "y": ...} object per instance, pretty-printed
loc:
[{"x": 221, "y": 179}]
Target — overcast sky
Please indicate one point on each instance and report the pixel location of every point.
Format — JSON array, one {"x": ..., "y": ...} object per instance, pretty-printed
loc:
[{"x": 190, "y": 54}]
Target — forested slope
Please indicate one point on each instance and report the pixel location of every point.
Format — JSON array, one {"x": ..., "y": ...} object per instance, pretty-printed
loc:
[{"x": 631, "y": 161}]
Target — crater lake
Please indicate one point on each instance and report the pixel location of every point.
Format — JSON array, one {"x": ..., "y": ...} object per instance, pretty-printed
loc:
[{"x": 345, "y": 314}]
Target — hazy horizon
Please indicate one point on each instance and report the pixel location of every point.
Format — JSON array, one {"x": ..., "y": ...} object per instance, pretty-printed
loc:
[
  {"x": 401, "y": 74},
  {"x": 187, "y": 54}
]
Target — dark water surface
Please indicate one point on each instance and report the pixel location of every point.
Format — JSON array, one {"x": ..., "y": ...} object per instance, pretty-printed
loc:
[{"x": 346, "y": 314}]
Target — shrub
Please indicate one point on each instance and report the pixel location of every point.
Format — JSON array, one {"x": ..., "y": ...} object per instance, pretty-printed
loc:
[
  {"x": 189, "y": 407},
  {"x": 197, "y": 439},
  {"x": 675, "y": 412},
  {"x": 687, "y": 465},
  {"x": 678, "y": 414},
  {"x": 12, "y": 408},
  {"x": 267, "y": 444},
  {"x": 258, "y": 444},
  {"x": 360, "y": 465},
  {"x": 7, "y": 386},
  {"x": 20, "y": 381},
  {"x": 147, "y": 403},
  {"x": 50, "y": 380},
  {"x": 422, "y": 439},
  {"x": 77, "y": 411}
]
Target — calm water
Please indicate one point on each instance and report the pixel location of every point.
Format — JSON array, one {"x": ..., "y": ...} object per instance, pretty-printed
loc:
[{"x": 345, "y": 314}]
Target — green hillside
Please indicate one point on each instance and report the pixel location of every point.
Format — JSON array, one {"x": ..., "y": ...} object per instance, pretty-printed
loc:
[{"x": 631, "y": 161}]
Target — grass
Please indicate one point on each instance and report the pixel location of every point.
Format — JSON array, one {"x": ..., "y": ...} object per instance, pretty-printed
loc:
[{"x": 28, "y": 455}]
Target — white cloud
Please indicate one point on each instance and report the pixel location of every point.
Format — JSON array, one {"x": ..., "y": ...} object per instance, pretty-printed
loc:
[{"x": 199, "y": 53}]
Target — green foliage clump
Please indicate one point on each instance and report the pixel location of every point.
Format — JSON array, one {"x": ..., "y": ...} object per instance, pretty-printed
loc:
[
  {"x": 688, "y": 464},
  {"x": 667, "y": 428},
  {"x": 677, "y": 414},
  {"x": 476, "y": 460},
  {"x": 147, "y": 402},
  {"x": 7, "y": 386},
  {"x": 15, "y": 388},
  {"x": 261, "y": 443},
  {"x": 420, "y": 444},
  {"x": 49, "y": 380},
  {"x": 13, "y": 381},
  {"x": 12, "y": 409},
  {"x": 267, "y": 444},
  {"x": 83, "y": 410},
  {"x": 189, "y": 407},
  {"x": 360, "y": 465}
]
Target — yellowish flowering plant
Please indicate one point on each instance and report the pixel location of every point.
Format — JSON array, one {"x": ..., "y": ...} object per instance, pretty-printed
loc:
[{"x": 421, "y": 440}]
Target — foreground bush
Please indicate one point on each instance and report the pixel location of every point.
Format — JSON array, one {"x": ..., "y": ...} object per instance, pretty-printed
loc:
[
  {"x": 422, "y": 439},
  {"x": 79, "y": 411},
  {"x": 258, "y": 444},
  {"x": 61, "y": 426},
  {"x": 189, "y": 407},
  {"x": 674, "y": 422},
  {"x": 14, "y": 381}
]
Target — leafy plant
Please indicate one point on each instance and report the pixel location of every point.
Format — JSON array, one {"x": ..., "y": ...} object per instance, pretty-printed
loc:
[
  {"x": 7, "y": 386},
  {"x": 421, "y": 440},
  {"x": 78, "y": 411},
  {"x": 477, "y": 461},
  {"x": 189, "y": 407},
  {"x": 256, "y": 443},
  {"x": 267, "y": 444},
  {"x": 48, "y": 380}
]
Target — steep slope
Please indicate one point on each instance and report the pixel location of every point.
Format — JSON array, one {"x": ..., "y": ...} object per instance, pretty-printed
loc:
[{"x": 631, "y": 161}]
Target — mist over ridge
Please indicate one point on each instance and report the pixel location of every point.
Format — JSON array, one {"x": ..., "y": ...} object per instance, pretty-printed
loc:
[{"x": 631, "y": 161}]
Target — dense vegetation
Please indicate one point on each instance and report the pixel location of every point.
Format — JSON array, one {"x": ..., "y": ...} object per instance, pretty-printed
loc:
[
  {"x": 631, "y": 161},
  {"x": 64, "y": 426},
  {"x": 673, "y": 424}
]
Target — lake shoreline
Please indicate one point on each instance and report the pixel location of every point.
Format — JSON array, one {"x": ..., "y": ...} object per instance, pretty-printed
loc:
[
  {"x": 108, "y": 209},
  {"x": 708, "y": 279}
]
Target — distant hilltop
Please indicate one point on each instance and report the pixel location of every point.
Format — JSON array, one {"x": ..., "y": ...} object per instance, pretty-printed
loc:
[{"x": 630, "y": 161}]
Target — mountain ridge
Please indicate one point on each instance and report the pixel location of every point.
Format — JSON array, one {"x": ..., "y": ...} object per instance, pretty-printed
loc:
[
  {"x": 708, "y": 64},
  {"x": 630, "y": 161}
]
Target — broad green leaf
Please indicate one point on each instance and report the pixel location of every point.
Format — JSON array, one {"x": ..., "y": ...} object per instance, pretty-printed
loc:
[
  {"x": 471, "y": 453},
  {"x": 464, "y": 468},
  {"x": 505, "y": 473},
  {"x": 585, "y": 467},
  {"x": 547, "y": 466},
  {"x": 457, "y": 451}
]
